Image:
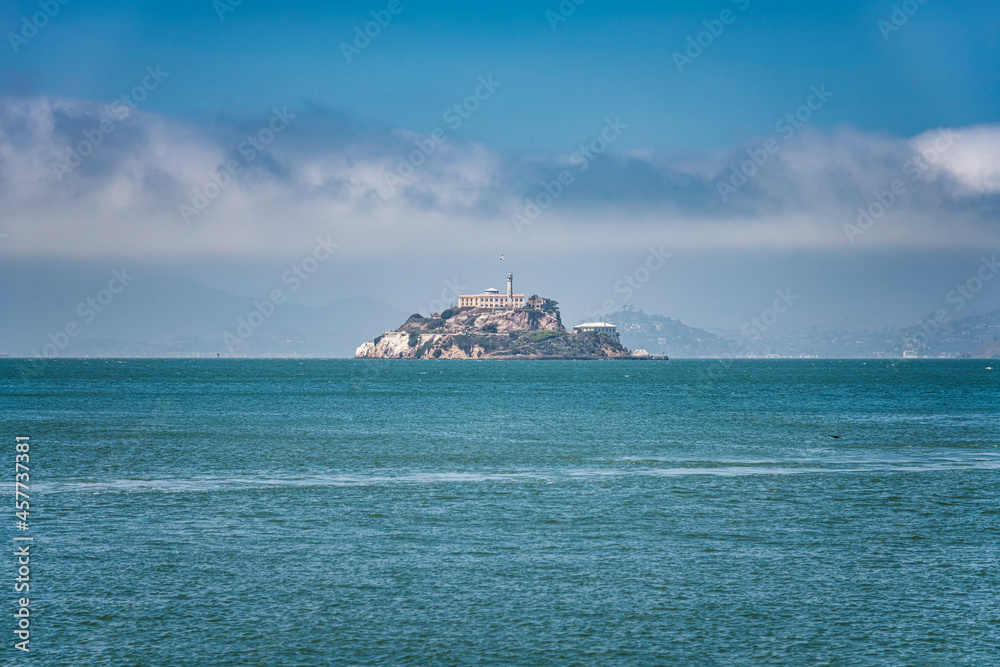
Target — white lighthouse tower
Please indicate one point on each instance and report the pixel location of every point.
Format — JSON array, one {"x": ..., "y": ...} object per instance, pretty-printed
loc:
[{"x": 510, "y": 290}]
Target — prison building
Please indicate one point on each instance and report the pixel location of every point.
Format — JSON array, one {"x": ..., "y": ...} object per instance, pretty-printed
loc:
[{"x": 493, "y": 299}]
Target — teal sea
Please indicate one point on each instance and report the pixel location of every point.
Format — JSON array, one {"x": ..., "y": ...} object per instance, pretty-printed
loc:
[{"x": 352, "y": 512}]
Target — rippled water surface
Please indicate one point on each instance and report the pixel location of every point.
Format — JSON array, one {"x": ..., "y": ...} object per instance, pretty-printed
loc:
[{"x": 286, "y": 512}]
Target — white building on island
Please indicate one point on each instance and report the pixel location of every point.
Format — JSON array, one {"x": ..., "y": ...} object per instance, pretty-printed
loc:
[
  {"x": 493, "y": 299},
  {"x": 598, "y": 327}
]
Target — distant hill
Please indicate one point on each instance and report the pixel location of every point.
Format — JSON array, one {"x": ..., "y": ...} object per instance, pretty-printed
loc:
[
  {"x": 971, "y": 336},
  {"x": 162, "y": 315},
  {"x": 956, "y": 337},
  {"x": 666, "y": 336},
  {"x": 988, "y": 350}
]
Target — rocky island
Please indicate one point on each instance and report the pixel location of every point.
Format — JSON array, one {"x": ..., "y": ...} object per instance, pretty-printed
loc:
[{"x": 491, "y": 325}]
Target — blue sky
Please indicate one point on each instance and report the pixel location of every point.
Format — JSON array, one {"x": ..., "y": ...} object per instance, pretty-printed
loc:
[
  {"x": 664, "y": 177},
  {"x": 940, "y": 69}
]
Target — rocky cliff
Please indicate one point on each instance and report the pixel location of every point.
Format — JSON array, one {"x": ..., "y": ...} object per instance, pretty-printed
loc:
[{"x": 473, "y": 333}]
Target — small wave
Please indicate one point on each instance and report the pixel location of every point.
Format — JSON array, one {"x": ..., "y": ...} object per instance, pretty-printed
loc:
[
  {"x": 709, "y": 468},
  {"x": 733, "y": 471},
  {"x": 202, "y": 484}
]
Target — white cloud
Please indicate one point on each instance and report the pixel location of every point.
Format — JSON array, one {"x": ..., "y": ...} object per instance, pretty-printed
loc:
[
  {"x": 969, "y": 156},
  {"x": 327, "y": 176}
]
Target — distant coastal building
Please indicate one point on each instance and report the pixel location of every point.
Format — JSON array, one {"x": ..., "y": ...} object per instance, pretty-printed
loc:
[
  {"x": 492, "y": 298},
  {"x": 598, "y": 327}
]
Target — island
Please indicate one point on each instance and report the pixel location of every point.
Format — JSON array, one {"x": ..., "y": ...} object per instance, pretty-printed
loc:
[{"x": 493, "y": 325}]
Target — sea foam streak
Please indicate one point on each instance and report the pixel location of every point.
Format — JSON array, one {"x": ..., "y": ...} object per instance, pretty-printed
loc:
[{"x": 724, "y": 468}]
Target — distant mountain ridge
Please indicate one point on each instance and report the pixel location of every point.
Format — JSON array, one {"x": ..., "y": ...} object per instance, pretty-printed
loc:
[
  {"x": 971, "y": 336},
  {"x": 162, "y": 315},
  {"x": 666, "y": 336},
  {"x": 159, "y": 314}
]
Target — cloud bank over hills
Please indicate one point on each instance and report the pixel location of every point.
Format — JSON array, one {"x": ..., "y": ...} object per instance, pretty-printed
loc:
[{"x": 83, "y": 179}]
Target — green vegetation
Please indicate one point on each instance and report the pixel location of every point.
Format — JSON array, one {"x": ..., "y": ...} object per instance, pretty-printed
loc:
[
  {"x": 414, "y": 316},
  {"x": 447, "y": 314},
  {"x": 414, "y": 337},
  {"x": 491, "y": 343},
  {"x": 377, "y": 339},
  {"x": 437, "y": 353},
  {"x": 490, "y": 328},
  {"x": 463, "y": 342}
]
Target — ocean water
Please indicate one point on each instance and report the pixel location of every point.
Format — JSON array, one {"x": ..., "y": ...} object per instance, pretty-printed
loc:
[{"x": 328, "y": 512}]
